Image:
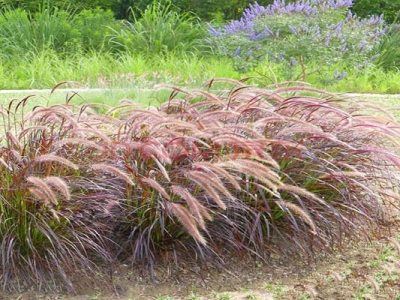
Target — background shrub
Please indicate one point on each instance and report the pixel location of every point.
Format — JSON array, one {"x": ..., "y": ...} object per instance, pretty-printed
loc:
[
  {"x": 63, "y": 31},
  {"x": 161, "y": 30},
  {"x": 95, "y": 28},
  {"x": 22, "y": 32},
  {"x": 207, "y": 10},
  {"x": 389, "y": 8},
  {"x": 295, "y": 34},
  {"x": 389, "y": 52}
]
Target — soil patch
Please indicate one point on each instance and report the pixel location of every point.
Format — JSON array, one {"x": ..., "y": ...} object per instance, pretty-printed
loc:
[{"x": 367, "y": 270}]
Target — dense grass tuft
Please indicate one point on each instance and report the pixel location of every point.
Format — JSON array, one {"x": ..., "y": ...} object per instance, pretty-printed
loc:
[{"x": 294, "y": 171}]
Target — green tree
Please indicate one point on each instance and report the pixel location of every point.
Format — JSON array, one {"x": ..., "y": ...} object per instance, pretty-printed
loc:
[
  {"x": 206, "y": 10},
  {"x": 389, "y": 8},
  {"x": 34, "y": 5}
]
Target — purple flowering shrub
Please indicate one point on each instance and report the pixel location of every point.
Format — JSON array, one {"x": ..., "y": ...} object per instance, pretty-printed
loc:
[{"x": 324, "y": 32}]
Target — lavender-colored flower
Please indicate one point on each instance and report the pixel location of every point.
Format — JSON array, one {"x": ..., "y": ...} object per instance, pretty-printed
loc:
[
  {"x": 373, "y": 57},
  {"x": 327, "y": 39},
  {"x": 342, "y": 76},
  {"x": 243, "y": 25},
  {"x": 292, "y": 30},
  {"x": 317, "y": 32},
  {"x": 349, "y": 34},
  {"x": 237, "y": 52},
  {"x": 254, "y": 11},
  {"x": 292, "y": 62},
  {"x": 380, "y": 33},
  {"x": 297, "y": 7},
  {"x": 259, "y": 35},
  {"x": 340, "y": 3},
  {"x": 343, "y": 48},
  {"x": 338, "y": 27},
  {"x": 338, "y": 76},
  {"x": 375, "y": 20},
  {"x": 362, "y": 45},
  {"x": 350, "y": 17},
  {"x": 384, "y": 30},
  {"x": 213, "y": 32},
  {"x": 249, "y": 54}
]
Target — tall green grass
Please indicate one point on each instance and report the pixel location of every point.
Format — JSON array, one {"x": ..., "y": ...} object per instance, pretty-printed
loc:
[
  {"x": 46, "y": 69},
  {"x": 51, "y": 28},
  {"x": 389, "y": 58},
  {"x": 161, "y": 29},
  {"x": 101, "y": 70}
]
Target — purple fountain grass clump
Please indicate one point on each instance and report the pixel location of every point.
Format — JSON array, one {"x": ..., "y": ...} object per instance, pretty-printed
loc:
[{"x": 291, "y": 169}]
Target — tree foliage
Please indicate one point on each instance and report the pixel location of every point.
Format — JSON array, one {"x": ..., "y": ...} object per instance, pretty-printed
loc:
[
  {"x": 207, "y": 10},
  {"x": 34, "y": 5},
  {"x": 389, "y": 8}
]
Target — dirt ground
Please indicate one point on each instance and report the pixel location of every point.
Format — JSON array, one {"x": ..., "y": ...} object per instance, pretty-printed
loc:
[{"x": 368, "y": 270}]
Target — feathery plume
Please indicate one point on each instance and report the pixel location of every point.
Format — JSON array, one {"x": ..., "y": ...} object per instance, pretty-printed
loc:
[
  {"x": 38, "y": 193},
  {"x": 396, "y": 244},
  {"x": 301, "y": 192},
  {"x": 373, "y": 282},
  {"x": 161, "y": 168},
  {"x": 59, "y": 184},
  {"x": 299, "y": 211},
  {"x": 203, "y": 181},
  {"x": 79, "y": 142},
  {"x": 56, "y": 158},
  {"x": 13, "y": 141},
  {"x": 155, "y": 185},
  {"x": 211, "y": 167},
  {"x": 44, "y": 187},
  {"x": 184, "y": 216},
  {"x": 106, "y": 168},
  {"x": 198, "y": 210}
]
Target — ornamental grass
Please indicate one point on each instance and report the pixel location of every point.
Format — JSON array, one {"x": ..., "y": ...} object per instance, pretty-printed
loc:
[{"x": 290, "y": 171}]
